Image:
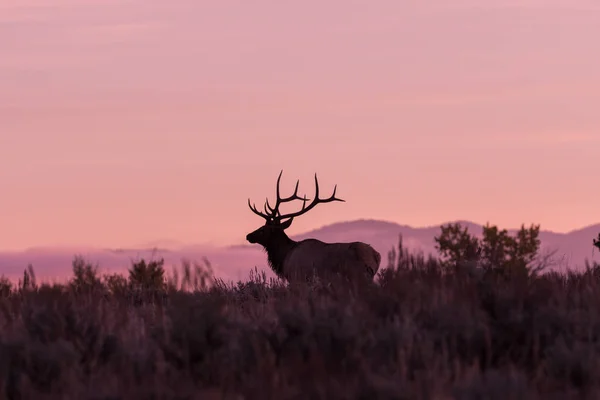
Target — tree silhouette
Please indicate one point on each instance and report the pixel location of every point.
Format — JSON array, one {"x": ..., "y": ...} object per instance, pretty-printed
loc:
[
  {"x": 495, "y": 251},
  {"x": 455, "y": 244}
]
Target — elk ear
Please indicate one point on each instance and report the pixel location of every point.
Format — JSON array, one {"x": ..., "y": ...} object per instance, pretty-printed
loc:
[{"x": 286, "y": 224}]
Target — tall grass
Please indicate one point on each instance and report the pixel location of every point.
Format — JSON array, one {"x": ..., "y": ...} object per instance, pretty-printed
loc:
[{"x": 419, "y": 332}]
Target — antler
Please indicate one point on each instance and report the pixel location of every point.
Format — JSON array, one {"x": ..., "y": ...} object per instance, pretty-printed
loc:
[
  {"x": 273, "y": 213},
  {"x": 316, "y": 201},
  {"x": 275, "y": 210}
]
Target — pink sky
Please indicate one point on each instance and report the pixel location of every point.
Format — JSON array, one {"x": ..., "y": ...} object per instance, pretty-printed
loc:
[{"x": 128, "y": 121}]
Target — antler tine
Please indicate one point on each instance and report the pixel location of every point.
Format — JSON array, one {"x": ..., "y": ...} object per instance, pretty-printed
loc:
[
  {"x": 330, "y": 198},
  {"x": 333, "y": 195},
  {"x": 275, "y": 210},
  {"x": 271, "y": 209},
  {"x": 292, "y": 197},
  {"x": 278, "y": 180},
  {"x": 269, "y": 212},
  {"x": 255, "y": 211},
  {"x": 304, "y": 202},
  {"x": 316, "y": 201}
]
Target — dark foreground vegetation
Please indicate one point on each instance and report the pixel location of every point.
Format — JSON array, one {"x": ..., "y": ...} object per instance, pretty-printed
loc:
[{"x": 483, "y": 322}]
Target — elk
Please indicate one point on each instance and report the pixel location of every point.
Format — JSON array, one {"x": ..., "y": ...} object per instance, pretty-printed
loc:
[{"x": 299, "y": 261}]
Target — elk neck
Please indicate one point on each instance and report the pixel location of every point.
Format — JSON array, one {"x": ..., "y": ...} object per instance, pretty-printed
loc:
[{"x": 277, "y": 251}]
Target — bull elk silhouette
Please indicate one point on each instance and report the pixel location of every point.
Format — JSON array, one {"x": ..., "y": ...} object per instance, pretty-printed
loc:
[{"x": 294, "y": 261}]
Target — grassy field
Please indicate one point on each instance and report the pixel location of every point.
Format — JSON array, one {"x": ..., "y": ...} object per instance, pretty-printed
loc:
[{"x": 417, "y": 333}]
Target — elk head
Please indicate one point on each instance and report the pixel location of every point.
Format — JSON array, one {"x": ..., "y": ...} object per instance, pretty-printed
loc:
[{"x": 272, "y": 232}]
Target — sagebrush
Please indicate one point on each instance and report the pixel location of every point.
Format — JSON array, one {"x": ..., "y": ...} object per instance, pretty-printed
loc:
[{"x": 420, "y": 332}]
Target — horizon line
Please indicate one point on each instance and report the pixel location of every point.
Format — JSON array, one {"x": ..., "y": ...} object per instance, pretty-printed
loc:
[{"x": 180, "y": 245}]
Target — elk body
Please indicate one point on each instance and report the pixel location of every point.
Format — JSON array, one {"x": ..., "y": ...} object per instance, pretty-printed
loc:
[{"x": 300, "y": 260}]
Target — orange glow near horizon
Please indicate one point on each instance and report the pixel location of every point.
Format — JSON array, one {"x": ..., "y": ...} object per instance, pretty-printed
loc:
[{"x": 127, "y": 121}]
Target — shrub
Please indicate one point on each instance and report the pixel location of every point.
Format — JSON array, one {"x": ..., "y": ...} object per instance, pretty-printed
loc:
[
  {"x": 147, "y": 276},
  {"x": 6, "y": 287},
  {"x": 85, "y": 276},
  {"x": 496, "y": 252}
]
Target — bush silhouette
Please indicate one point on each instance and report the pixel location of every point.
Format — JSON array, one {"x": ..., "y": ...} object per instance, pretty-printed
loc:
[
  {"x": 6, "y": 287},
  {"x": 496, "y": 251},
  {"x": 85, "y": 276},
  {"x": 147, "y": 276},
  {"x": 116, "y": 284}
]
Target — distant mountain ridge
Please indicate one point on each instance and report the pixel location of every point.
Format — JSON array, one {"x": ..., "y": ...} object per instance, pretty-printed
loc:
[
  {"x": 234, "y": 262},
  {"x": 572, "y": 247}
]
